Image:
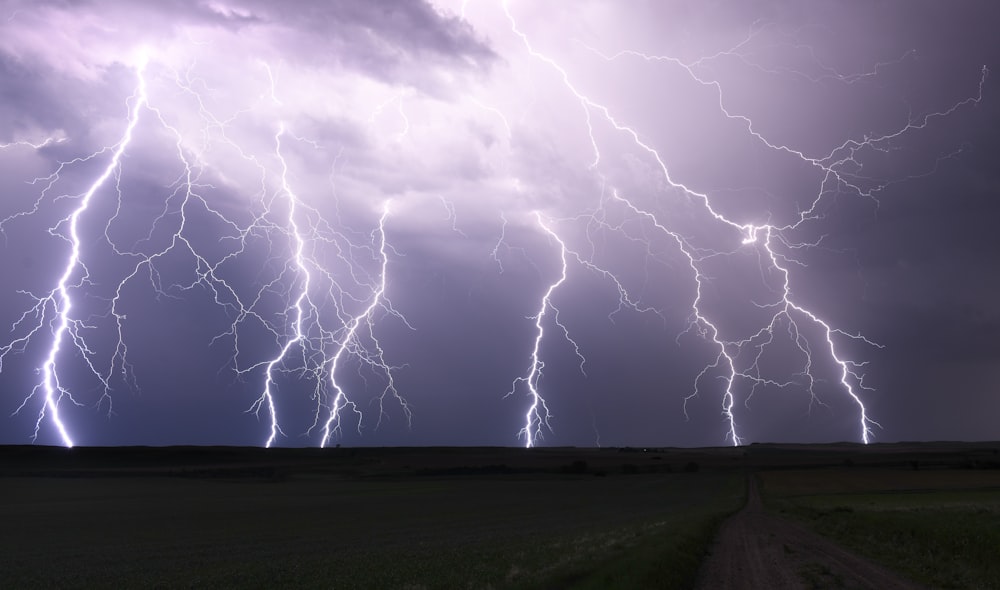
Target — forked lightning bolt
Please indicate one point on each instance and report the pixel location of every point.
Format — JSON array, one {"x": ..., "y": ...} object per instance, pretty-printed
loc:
[
  {"x": 737, "y": 360},
  {"x": 55, "y": 307},
  {"x": 332, "y": 297},
  {"x": 351, "y": 343},
  {"x": 307, "y": 324},
  {"x": 298, "y": 308},
  {"x": 538, "y": 415}
]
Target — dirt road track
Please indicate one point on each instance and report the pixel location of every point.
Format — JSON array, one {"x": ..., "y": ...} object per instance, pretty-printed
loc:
[{"x": 756, "y": 550}]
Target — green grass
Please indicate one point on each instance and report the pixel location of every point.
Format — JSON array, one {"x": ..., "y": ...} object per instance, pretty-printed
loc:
[
  {"x": 817, "y": 576},
  {"x": 665, "y": 554},
  {"x": 530, "y": 531},
  {"x": 946, "y": 538}
]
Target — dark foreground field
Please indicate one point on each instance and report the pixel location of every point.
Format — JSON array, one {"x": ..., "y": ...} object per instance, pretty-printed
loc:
[{"x": 480, "y": 517}]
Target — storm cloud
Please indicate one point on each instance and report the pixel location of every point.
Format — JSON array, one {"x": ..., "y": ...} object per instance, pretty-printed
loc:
[{"x": 694, "y": 160}]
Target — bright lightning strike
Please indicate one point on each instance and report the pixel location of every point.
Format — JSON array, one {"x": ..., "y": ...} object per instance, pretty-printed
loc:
[
  {"x": 298, "y": 307},
  {"x": 351, "y": 343},
  {"x": 321, "y": 272},
  {"x": 55, "y": 307},
  {"x": 537, "y": 415},
  {"x": 737, "y": 360},
  {"x": 246, "y": 187}
]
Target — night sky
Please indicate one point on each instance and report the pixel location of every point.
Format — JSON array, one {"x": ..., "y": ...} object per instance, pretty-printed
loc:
[{"x": 749, "y": 197}]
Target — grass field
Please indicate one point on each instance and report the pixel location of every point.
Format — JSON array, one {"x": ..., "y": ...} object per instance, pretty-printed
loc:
[
  {"x": 483, "y": 517},
  {"x": 516, "y": 531},
  {"x": 938, "y": 527}
]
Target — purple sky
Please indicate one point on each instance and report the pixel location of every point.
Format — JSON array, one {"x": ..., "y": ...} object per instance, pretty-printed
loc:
[{"x": 749, "y": 200}]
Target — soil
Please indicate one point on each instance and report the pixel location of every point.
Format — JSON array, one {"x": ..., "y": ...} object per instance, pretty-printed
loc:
[{"x": 755, "y": 549}]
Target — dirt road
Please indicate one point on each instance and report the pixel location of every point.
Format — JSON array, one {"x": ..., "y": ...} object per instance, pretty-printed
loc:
[{"x": 756, "y": 550}]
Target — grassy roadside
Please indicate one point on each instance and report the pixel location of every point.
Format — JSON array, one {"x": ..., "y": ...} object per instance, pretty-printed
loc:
[
  {"x": 665, "y": 558},
  {"x": 665, "y": 554},
  {"x": 938, "y": 528}
]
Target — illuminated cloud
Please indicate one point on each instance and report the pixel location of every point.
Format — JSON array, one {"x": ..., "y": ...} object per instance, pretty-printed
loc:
[{"x": 723, "y": 188}]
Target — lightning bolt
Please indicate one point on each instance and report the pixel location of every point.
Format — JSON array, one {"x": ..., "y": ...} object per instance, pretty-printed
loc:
[
  {"x": 298, "y": 307},
  {"x": 57, "y": 304},
  {"x": 32, "y": 144},
  {"x": 322, "y": 288},
  {"x": 350, "y": 343},
  {"x": 537, "y": 417},
  {"x": 538, "y": 413},
  {"x": 315, "y": 331},
  {"x": 736, "y": 360}
]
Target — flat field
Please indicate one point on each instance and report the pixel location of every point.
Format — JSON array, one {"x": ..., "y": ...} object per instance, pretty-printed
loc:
[
  {"x": 415, "y": 518},
  {"x": 155, "y": 519},
  {"x": 938, "y": 527}
]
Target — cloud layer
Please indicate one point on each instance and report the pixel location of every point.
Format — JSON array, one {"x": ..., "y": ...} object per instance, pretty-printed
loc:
[{"x": 863, "y": 139}]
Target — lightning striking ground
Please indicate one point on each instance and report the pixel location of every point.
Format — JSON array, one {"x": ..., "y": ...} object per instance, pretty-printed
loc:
[
  {"x": 55, "y": 307},
  {"x": 351, "y": 342},
  {"x": 298, "y": 308},
  {"x": 235, "y": 167},
  {"x": 538, "y": 414},
  {"x": 315, "y": 330},
  {"x": 737, "y": 360}
]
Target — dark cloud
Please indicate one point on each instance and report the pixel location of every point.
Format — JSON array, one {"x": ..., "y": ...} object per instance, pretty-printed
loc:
[{"x": 457, "y": 125}]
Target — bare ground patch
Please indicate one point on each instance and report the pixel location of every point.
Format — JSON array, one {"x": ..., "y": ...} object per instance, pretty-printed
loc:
[{"x": 755, "y": 549}]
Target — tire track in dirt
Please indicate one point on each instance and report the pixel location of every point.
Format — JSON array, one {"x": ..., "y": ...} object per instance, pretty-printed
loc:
[{"x": 757, "y": 550}]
